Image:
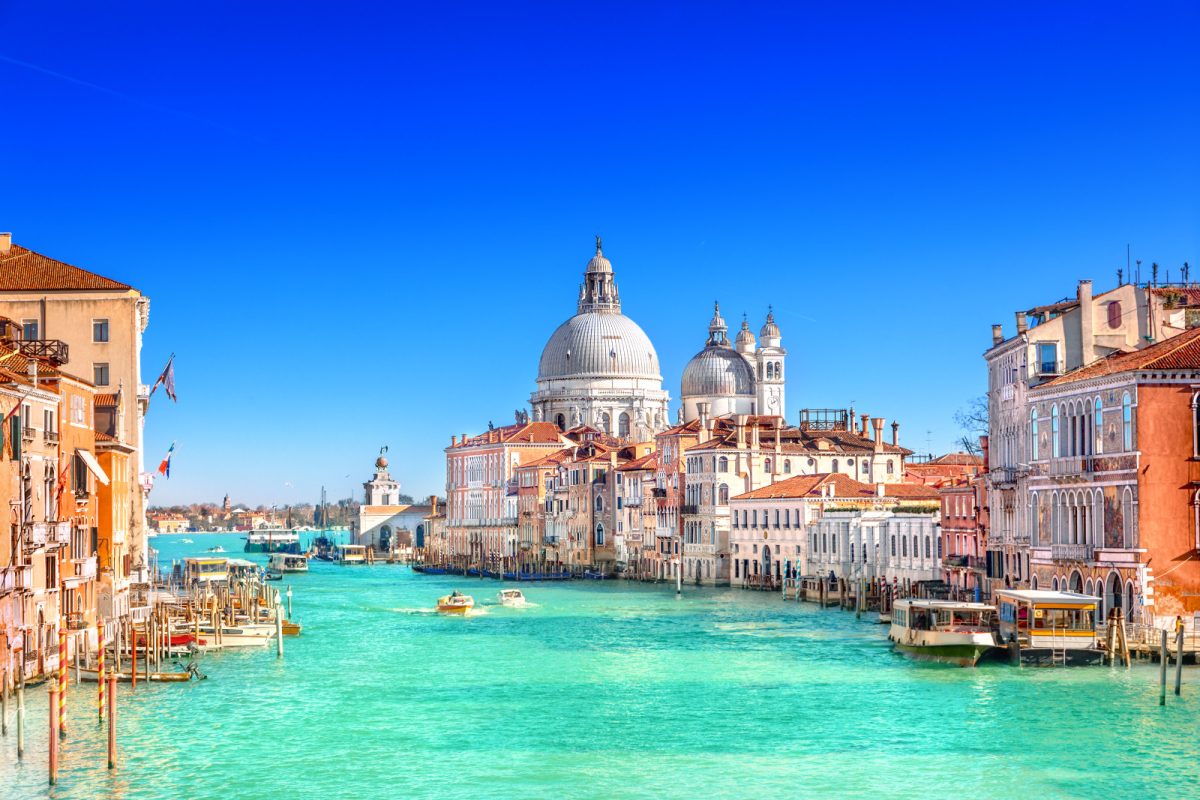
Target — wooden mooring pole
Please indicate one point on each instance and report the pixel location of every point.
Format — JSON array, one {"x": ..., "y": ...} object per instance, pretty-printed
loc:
[
  {"x": 1162, "y": 680},
  {"x": 1178, "y": 661},
  {"x": 112, "y": 721},
  {"x": 53, "y": 760},
  {"x": 21, "y": 714}
]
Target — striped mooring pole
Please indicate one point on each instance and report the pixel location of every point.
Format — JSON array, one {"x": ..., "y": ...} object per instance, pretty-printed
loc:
[
  {"x": 100, "y": 670},
  {"x": 62, "y": 679}
]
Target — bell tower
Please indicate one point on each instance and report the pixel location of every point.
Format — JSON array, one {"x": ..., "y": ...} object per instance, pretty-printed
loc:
[{"x": 769, "y": 360}]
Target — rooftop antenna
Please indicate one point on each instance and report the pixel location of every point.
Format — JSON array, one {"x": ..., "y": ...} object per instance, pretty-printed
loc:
[
  {"x": 1186, "y": 269},
  {"x": 1120, "y": 282},
  {"x": 1138, "y": 278},
  {"x": 1128, "y": 271},
  {"x": 1154, "y": 272}
]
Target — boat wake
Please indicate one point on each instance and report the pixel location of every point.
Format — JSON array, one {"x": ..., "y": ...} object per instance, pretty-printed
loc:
[{"x": 415, "y": 610}]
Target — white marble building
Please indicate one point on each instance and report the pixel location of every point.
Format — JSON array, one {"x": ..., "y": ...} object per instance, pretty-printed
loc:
[{"x": 384, "y": 523}]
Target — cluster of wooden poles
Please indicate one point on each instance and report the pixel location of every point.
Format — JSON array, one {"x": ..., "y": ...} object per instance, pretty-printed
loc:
[{"x": 148, "y": 642}]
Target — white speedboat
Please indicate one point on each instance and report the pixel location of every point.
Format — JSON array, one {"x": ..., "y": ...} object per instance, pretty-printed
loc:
[
  {"x": 512, "y": 598},
  {"x": 249, "y": 635},
  {"x": 186, "y": 541},
  {"x": 217, "y": 549},
  {"x": 944, "y": 631}
]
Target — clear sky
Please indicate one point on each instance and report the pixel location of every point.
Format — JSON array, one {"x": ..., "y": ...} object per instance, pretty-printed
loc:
[{"x": 359, "y": 223}]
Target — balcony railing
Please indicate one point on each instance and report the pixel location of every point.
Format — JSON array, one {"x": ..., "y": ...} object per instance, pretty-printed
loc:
[
  {"x": 85, "y": 567},
  {"x": 53, "y": 350},
  {"x": 41, "y": 534},
  {"x": 14, "y": 578},
  {"x": 27, "y": 433},
  {"x": 689, "y": 509},
  {"x": 76, "y": 621},
  {"x": 633, "y": 502},
  {"x": 1071, "y": 552},
  {"x": 656, "y": 492},
  {"x": 50, "y": 436}
]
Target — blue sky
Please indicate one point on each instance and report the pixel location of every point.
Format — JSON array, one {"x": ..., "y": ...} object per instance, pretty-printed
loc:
[{"x": 358, "y": 224}]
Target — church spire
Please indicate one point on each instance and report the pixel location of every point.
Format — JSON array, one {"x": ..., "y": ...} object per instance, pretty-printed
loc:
[{"x": 716, "y": 328}]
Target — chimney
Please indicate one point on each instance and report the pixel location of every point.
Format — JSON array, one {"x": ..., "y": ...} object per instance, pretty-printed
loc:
[
  {"x": 997, "y": 334},
  {"x": 453, "y": 440},
  {"x": 433, "y": 505},
  {"x": 702, "y": 413},
  {"x": 1022, "y": 322},
  {"x": 33, "y": 370},
  {"x": 1086, "y": 319},
  {"x": 877, "y": 434},
  {"x": 863, "y": 432},
  {"x": 739, "y": 423},
  {"x": 5, "y": 243},
  {"x": 464, "y": 439},
  {"x": 895, "y": 434},
  {"x": 754, "y": 436},
  {"x": 853, "y": 429}
]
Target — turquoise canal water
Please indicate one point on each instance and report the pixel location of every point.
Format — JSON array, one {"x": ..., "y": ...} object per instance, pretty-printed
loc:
[{"x": 608, "y": 690}]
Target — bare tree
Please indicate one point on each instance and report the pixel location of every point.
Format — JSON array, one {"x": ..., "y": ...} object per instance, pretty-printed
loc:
[{"x": 973, "y": 422}]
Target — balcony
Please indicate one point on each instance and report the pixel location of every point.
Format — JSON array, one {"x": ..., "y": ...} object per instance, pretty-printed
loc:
[
  {"x": 27, "y": 433},
  {"x": 658, "y": 492},
  {"x": 52, "y": 350},
  {"x": 43, "y": 534},
  {"x": 1071, "y": 552},
  {"x": 1004, "y": 477},
  {"x": 51, "y": 437},
  {"x": 689, "y": 509},
  {"x": 76, "y": 621},
  {"x": 85, "y": 568},
  {"x": 15, "y": 578},
  {"x": 633, "y": 502}
]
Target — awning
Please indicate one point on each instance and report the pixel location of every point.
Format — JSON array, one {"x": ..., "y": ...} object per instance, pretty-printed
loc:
[{"x": 92, "y": 464}]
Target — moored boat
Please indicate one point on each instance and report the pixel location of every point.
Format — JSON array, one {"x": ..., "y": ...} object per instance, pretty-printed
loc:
[
  {"x": 1044, "y": 628},
  {"x": 944, "y": 631},
  {"x": 183, "y": 676},
  {"x": 456, "y": 603},
  {"x": 272, "y": 541}
]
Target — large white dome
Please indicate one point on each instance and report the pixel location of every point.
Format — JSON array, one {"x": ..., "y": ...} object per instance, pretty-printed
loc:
[
  {"x": 718, "y": 372},
  {"x": 599, "y": 344}
]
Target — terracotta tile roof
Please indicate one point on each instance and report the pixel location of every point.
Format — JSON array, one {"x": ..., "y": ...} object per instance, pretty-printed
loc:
[
  {"x": 685, "y": 428},
  {"x": 104, "y": 437},
  {"x": 647, "y": 462},
  {"x": 963, "y": 459},
  {"x": 1183, "y": 295},
  {"x": 1178, "y": 352},
  {"x": 845, "y": 488},
  {"x": 106, "y": 400},
  {"x": 552, "y": 460},
  {"x": 517, "y": 433},
  {"x": 21, "y": 269}
]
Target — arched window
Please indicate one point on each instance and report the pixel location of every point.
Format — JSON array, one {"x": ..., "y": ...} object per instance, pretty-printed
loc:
[
  {"x": 770, "y": 370},
  {"x": 767, "y": 465},
  {"x": 891, "y": 467},
  {"x": 623, "y": 425},
  {"x": 723, "y": 464},
  {"x": 561, "y": 421},
  {"x": 852, "y": 551},
  {"x": 723, "y": 494},
  {"x": 1034, "y": 521},
  {"x": 1127, "y": 421},
  {"x": 599, "y": 534},
  {"x": 787, "y": 465},
  {"x": 865, "y": 466},
  {"x": 1130, "y": 530},
  {"x": 835, "y": 466},
  {"x": 1098, "y": 422},
  {"x": 599, "y": 503},
  {"x": 1054, "y": 443},
  {"x": 893, "y": 545},
  {"x": 605, "y": 422},
  {"x": 779, "y": 370},
  {"x": 1033, "y": 434},
  {"x": 928, "y": 547}
]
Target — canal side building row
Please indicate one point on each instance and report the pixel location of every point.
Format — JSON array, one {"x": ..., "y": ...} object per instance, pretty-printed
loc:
[
  {"x": 1094, "y": 456},
  {"x": 72, "y": 407},
  {"x": 597, "y": 479}
]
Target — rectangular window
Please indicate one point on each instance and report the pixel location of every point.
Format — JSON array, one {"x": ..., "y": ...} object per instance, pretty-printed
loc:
[
  {"x": 48, "y": 421},
  {"x": 78, "y": 410},
  {"x": 99, "y": 330},
  {"x": 1047, "y": 358},
  {"x": 29, "y": 329},
  {"x": 100, "y": 374}
]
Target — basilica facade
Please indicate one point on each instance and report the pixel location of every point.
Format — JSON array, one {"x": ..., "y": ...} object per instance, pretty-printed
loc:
[{"x": 745, "y": 378}]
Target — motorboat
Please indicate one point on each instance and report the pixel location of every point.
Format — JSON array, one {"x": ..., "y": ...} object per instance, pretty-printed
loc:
[
  {"x": 272, "y": 541},
  {"x": 249, "y": 635},
  {"x": 944, "y": 631},
  {"x": 456, "y": 603},
  {"x": 513, "y": 598},
  {"x": 287, "y": 562},
  {"x": 186, "y": 541},
  {"x": 217, "y": 549},
  {"x": 1045, "y": 628}
]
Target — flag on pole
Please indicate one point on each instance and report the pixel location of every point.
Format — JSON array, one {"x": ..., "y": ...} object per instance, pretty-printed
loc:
[
  {"x": 166, "y": 380},
  {"x": 165, "y": 467}
]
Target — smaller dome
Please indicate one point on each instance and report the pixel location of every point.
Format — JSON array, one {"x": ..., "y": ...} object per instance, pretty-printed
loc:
[
  {"x": 598, "y": 263},
  {"x": 381, "y": 463},
  {"x": 745, "y": 336},
  {"x": 718, "y": 372},
  {"x": 769, "y": 329}
]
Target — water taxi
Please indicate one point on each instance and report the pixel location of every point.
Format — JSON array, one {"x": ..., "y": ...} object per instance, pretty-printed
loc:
[
  {"x": 286, "y": 562},
  {"x": 272, "y": 541},
  {"x": 1043, "y": 628},
  {"x": 456, "y": 603},
  {"x": 351, "y": 554},
  {"x": 513, "y": 598},
  {"x": 944, "y": 631},
  {"x": 205, "y": 570}
]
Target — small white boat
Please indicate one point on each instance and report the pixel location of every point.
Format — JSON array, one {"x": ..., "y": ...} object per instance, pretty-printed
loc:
[
  {"x": 944, "y": 631},
  {"x": 186, "y": 541},
  {"x": 286, "y": 562},
  {"x": 238, "y": 636},
  {"x": 217, "y": 549},
  {"x": 513, "y": 598}
]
